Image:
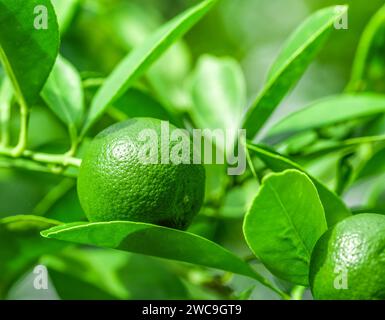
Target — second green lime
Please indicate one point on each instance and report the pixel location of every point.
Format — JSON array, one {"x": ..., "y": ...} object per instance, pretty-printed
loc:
[{"x": 348, "y": 261}]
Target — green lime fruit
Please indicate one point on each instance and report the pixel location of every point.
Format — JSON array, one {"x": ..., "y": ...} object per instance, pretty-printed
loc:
[
  {"x": 123, "y": 178},
  {"x": 348, "y": 261}
]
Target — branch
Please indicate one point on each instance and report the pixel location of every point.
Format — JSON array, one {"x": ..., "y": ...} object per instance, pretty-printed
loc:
[{"x": 63, "y": 160}]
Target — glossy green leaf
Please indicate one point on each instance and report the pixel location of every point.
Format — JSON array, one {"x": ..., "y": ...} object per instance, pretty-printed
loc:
[
  {"x": 149, "y": 278},
  {"x": 219, "y": 95},
  {"x": 369, "y": 65},
  {"x": 150, "y": 240},
  {"x": 21, "y": 245},
  {"x": 291, "y": 63},
  {"x": 348, "y": 145},
  {"x": 63, "y": 93},
  {"x": 141, "y": 58},
  {"x": 330, "y": 111},
  {"x": 26, "y": 41},
  {"x": 284, "y": 223},
  {"x": 335, "y": 208}
]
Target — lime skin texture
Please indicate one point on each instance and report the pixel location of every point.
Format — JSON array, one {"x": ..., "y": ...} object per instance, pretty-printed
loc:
[
  {"x": 348, "y": 261},
  {"x": 115, "y": 185}
]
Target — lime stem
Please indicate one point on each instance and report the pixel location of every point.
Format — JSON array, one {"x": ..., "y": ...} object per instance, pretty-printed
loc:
[
  {"x": 24, "y": 119},
  {"x": 5, "y": 117},
  {"x": 61, "y": 159}
]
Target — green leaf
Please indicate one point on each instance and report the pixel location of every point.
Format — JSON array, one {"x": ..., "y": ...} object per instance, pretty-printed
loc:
[
  {"x": 61, "y": 203},
  {"x": 63, "y": 93},
  {"x": 237, "y": 200},
  {"x": 375, "y": 166},
  {"x": 169, "y": 77},
  {"x": 132, "y": 23},
  {"x": 330, "y": 111},
  {"x": 350, "y": 145},
  {"x": 345, "y": 172},
  {"x": 284, "y": 223},
  {"x": 295, "y": 57},
  {"x": 130, "y": 105},
  {"x": 68, "y": 208},
  {"x": 28, "y": 53},
  {"x": 65, "y": 11},
  {"x": 141, "y": 58},
  {"x": 219, "y": 95},
  {"x": 21, "y": 246},
  {"x": 298, "y": 143},
  {"x": 335, "y": 209},
  {"x": 153, "y": 240},
  {"x": 369, "y": 66}
]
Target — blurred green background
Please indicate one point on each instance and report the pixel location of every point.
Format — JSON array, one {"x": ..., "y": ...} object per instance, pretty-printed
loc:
[{"x": 96, "y": 37}]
